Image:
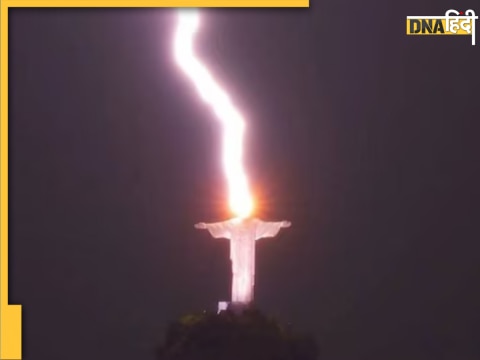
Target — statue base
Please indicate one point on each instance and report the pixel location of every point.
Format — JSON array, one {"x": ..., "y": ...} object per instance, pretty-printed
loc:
[{"x": 235, "y": 307}]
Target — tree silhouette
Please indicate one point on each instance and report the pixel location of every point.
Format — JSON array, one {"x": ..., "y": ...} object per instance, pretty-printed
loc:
[{"x": 249, "y": 335}]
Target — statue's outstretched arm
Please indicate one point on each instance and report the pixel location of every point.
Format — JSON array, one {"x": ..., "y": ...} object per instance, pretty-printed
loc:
[
  {"x": 217, "y": 230},
  {"x": 270, "y": 228}
]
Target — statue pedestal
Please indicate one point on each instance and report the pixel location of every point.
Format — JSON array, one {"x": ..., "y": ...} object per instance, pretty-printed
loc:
[{"x": 236, "y": 307}]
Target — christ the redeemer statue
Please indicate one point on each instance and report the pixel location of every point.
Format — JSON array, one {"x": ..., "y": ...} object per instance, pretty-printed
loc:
[{"x": 242, "y": 234}]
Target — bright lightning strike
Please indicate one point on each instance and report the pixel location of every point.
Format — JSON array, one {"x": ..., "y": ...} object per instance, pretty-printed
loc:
[{"x": 240, "y": 198}]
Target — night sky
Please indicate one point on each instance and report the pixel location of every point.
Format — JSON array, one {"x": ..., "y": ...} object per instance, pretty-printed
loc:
[{"x": 363, "y": 137}]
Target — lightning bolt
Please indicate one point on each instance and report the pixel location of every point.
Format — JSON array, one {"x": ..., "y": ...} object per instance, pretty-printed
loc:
[{"x": 240, "y": 198}]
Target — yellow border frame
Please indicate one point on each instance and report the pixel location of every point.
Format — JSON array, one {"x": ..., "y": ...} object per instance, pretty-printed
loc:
[{"x": 11, "y": 315}]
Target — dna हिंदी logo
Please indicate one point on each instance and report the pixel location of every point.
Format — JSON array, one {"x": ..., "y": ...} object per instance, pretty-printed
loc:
[{"x": 453, "y": 23}]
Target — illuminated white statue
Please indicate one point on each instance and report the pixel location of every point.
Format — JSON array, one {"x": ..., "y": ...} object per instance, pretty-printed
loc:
[{"x": 242, "y": 234}]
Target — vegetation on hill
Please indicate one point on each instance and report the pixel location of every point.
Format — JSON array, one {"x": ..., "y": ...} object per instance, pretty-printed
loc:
[{"x": 228, "y": 336}]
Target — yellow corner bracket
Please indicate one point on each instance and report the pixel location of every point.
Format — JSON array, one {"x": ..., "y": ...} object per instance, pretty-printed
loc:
[{"x": 11, "y": 315}]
